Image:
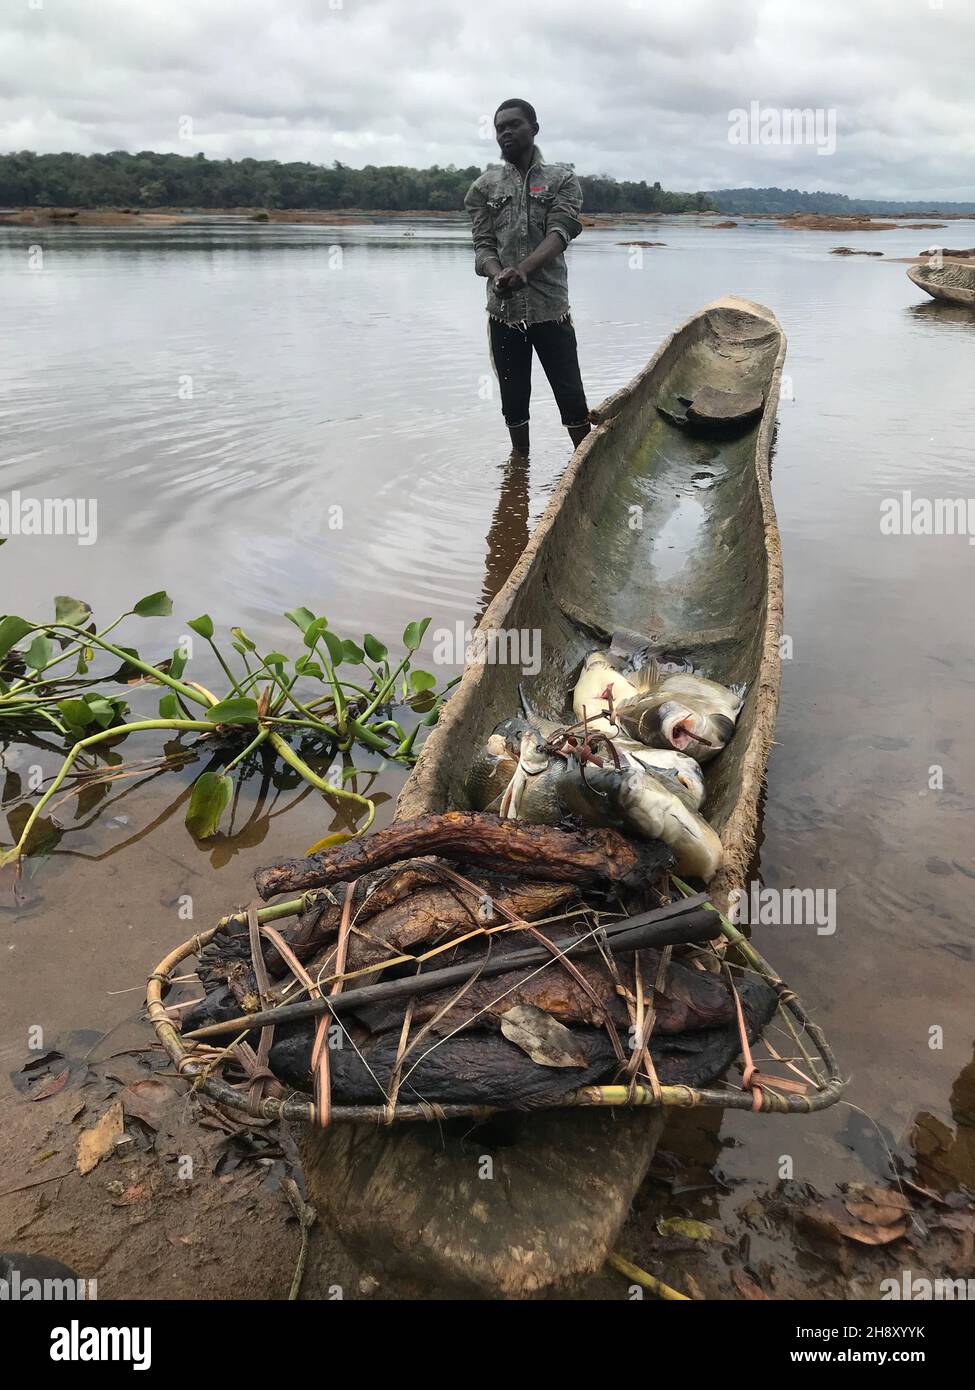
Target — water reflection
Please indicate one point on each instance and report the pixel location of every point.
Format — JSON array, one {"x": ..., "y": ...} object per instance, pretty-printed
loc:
[
  {"x": 508, "y": 534},
  {"x": 955, "y": 315}
]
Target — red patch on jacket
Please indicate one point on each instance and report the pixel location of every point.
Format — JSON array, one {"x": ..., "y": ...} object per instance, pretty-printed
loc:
[{"x": 537, "y": 188}]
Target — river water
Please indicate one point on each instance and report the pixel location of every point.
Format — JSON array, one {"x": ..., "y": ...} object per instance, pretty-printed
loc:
[{"x": 221, "y": 389}]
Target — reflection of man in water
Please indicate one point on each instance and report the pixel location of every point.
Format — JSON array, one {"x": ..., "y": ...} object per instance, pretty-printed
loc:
[{"x": 523, "y": 215}]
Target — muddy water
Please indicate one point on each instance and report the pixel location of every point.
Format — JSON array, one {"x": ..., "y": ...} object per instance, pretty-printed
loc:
[{"x": 221, "y": 390}]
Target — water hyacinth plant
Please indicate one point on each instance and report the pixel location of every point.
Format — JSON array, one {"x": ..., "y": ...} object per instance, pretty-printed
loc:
[{"x": 338, "y": 691}]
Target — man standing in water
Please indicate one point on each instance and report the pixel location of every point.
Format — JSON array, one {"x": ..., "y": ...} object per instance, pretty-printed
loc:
[{"x": 523, "y": 215}]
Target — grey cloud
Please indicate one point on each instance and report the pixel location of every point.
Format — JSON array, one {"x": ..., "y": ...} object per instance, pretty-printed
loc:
[{"x": 634, "y": 89}]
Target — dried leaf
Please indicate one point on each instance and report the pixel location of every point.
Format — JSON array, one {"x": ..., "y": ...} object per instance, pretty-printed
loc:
[
  {"x": 98, "y": 1142},
  {"x": 747, "y": 1286},
  {"x": 832, "y": 1219},
  {"x": 148, "y": 1101},
  {"x": 547, "y": 1042},
  {"x": 874, "y": 1215},
  {"x": 878, "y": 1196},
  {"x": 51, "y": 1088},
  {"x": 683, "y": 1226}
]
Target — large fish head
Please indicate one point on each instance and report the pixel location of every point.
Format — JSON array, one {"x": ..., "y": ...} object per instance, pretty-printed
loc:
[
  {"x": 686, "y": 731},
  {"x": 512, "y": 731},
  {"x": 688, "y": 773},
  {"x": 533, "y": 756}
]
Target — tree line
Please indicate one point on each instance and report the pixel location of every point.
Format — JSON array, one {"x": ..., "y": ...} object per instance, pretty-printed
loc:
[
  {"x": 788, "y": 200},
  {"x": 149, "y": 179}
]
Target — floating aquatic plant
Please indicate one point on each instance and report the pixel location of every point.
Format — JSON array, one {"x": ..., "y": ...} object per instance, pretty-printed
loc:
[{"x": 355, "y": 689}]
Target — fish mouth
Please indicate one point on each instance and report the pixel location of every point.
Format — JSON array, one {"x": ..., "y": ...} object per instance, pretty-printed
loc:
[{"x": 682, "y": 735}]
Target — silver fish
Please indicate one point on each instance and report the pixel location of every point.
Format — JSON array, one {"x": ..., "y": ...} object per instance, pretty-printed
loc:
[
  {"x": 682, "y": 711},
  {"x": 641, "y": 804}
]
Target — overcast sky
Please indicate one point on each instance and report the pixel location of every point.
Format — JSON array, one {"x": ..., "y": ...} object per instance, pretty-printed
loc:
[{"x": 633, "y": 88}]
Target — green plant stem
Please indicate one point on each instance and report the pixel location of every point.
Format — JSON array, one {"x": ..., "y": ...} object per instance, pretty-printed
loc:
[
  {"x": 285, "y": 751},
  {"x": 195, "y": 725},
  {"x": 254, "y": 743},
  {"x": 225, "y": 668},
  {"x": 385, "y": 690},
  {"x": 94, "y": 640}
]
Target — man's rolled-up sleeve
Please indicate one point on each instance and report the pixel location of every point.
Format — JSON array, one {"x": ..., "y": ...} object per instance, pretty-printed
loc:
[
  {"x": 563, "y": 216},
  {"x": 482, "y": 228}
]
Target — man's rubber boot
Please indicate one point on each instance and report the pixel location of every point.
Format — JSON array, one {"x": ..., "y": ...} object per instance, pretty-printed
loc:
[
  {"x": 577, "y": 433},
  {"x": 519, "y": 439}
]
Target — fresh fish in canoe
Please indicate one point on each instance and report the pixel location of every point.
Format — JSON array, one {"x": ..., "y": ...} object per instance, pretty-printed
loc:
[
  {"x": 676, "y": 770},
  {"x": 637, "y": 802},
  {"x": 490, "y": 773},
  {"x": 598, "y": 684},
  {"x": 679, "y": 710},
  {"x": 533, "y": 793}
]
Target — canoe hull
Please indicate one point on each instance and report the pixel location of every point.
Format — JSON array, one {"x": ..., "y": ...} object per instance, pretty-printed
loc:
[
  {"x": 630, "y": 539},
  {"x": 952, "y": 283}
]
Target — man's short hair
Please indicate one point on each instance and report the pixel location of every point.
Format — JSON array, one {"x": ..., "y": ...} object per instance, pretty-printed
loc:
[{"x": 525, "y": 106}]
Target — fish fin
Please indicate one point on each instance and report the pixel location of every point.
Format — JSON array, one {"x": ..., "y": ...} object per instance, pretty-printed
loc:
[
  {"x": 647, "y": 677},
  {"x": 739, "y": 690},
  {"x": 531, "y": 711}
]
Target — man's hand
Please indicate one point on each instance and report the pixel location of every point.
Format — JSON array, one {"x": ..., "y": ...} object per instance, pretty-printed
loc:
[{"x": 508, "y": 281}]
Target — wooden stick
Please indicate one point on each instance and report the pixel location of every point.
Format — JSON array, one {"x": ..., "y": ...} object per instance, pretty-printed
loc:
[
  {"x": 629, "y": 935},
  {"x": 535, "y": 851}
]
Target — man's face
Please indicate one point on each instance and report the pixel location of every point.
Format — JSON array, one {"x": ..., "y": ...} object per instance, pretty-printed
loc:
[{"x": 515, "y": 132}]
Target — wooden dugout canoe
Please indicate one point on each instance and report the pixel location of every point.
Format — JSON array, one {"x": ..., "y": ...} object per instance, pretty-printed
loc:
[
  {"x": 951, "y": 283},
  {"x": 666, "y": 532}
]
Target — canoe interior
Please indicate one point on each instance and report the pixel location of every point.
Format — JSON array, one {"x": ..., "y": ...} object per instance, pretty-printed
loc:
[
  {"x": 953, "y": 282},
  {"x": 701, "y": 573},
  {"x": 653, "y": 529}
]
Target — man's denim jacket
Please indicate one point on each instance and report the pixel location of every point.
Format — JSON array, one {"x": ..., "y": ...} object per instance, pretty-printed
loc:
[{"x": 510, "y": 215}]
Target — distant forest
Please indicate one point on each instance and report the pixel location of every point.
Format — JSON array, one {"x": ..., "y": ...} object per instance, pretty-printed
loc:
[
  {"x": 147, "y": 180},
  {"x": 786, "y": 200}
]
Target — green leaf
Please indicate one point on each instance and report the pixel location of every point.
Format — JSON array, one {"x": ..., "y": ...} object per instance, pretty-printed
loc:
[
  {"x": 274, "y": 659},
  {"x": 177, "y": 665},
  {"x": 242, "y": 637},
  {"x": 169, "y": 707},
  {"x": 102, "y": 711},
  {"x": 40, "y": 652},
  {"x": 11, "y": 631},
  {"x": 76, "y": 713},
  {"x": 336, "y": 648},
  {"x": 209, "y": 799},
  {"x": 233, "y": 711},
  {"x": 307, "y": 666},
  {"x": 353, "y": 653},
  {"x": 374, "y": 648},
  {"x": 422, "y": 680},
  {"x": 128, "y": 672},
  {"x": 158, "y": 605},
  {"x": 71, "y": 610},
  {"x": 202, "y": 625},
  {"x": 301, "y": 617},
  {"x": 315, "y": 630},
  {"x": 413, "y": 635}
]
